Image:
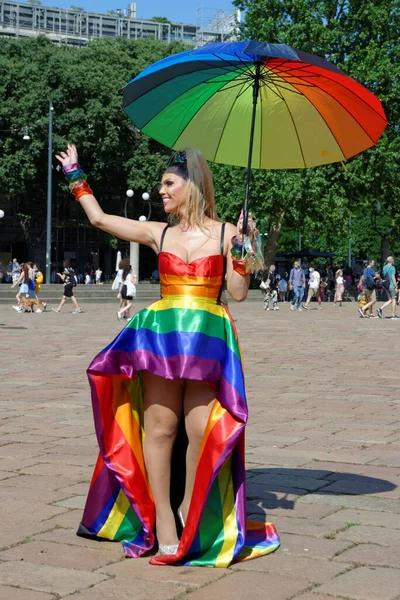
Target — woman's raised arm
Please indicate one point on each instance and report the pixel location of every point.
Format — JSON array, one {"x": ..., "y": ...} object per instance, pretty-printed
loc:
[{"x": 147, "y": 233}]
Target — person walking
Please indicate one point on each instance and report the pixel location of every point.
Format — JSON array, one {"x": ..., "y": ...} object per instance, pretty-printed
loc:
[
  {"x": 370, "y": 276},
  {"x": 22, "y": 281},
  {"x": 38, "y": 282},
  {"x": 297, "y": 281},
  {"x": 98, "y": 275},
  {"x": 313, "y": 289},
  {"x": 117, "y": 283},
  {"x": 390, "y": 288},
  {"x": 175, "y": 368},
  {"x": 282, "y": 286},
  {"x": 128, "y": 292},
  {"x": 67, "y": 277},
  {"x": 339, "y": 289},
  {"x": 271, "y": 291}
]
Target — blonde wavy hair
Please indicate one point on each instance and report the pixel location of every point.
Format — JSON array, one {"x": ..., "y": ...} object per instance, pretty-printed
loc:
[{"x": 201, "y": 199}]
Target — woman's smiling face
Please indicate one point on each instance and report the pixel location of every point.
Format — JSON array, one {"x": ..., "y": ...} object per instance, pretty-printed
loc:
[{"x": 173, "y": 192}]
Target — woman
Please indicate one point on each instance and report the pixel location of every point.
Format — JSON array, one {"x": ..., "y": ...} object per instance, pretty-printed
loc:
[
  {"x": 128, "y": 292},
  {"x": 117, "y": 283},
  {"x": 67, "y": 277},
  {"x": 174, "y": 372},
  {"x": 271, "y": 292},
  {"x": 31, "y": 281},
  {"x": 339, "y": 291},
  {"x": 22, "y": 281}
]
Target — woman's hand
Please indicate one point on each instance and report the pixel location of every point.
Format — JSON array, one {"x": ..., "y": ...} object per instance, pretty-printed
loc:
[
  {"x": 251, "y": 225},
  {"x": 69, "y": 157}
]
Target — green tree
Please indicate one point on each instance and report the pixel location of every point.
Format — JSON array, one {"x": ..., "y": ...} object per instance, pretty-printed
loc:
[
  {"x": 84, "y": 86},
  {"x": 362, "y": 39}
]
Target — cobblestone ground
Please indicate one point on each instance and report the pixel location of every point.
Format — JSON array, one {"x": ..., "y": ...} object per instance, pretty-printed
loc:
[{"x": 323, "y": 461}]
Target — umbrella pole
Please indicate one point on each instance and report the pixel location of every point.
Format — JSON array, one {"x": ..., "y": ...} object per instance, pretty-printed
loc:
[{"x": 256, "y": 87}]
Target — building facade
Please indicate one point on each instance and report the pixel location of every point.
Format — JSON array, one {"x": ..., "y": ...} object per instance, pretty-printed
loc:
[{"x": 75, "y": 27}]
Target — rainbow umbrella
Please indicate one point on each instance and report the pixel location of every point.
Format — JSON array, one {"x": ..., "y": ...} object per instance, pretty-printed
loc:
[{"x": 264, "y": 106}]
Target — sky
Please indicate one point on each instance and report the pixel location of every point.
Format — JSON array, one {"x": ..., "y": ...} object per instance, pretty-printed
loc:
[{"x": 174, "y": 10}]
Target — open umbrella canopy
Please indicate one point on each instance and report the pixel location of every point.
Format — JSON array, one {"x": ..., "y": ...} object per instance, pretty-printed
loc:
[{"x": 307, "y": 112}]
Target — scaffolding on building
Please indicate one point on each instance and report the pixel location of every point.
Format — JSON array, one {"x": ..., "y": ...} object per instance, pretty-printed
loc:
[
  {"x": 216, "y": 25},
  {"x": 73, "y": 26}
]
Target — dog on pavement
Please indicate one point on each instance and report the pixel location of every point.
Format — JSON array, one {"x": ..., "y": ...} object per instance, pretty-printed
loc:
[{"x": 33, "y": 305}]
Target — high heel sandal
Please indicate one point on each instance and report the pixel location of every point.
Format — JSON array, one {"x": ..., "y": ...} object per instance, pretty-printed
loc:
[{"x": 166, "y": 549}]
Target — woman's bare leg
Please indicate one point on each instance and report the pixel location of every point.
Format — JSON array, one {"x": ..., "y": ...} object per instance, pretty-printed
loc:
[
  {"x": 63, "y": 299},
  {"x": 162, "y": 413},
  {"x": 198, "y": 400},
  {"x": 75, "y": 302},
  {"x": 126, "y": 308}
]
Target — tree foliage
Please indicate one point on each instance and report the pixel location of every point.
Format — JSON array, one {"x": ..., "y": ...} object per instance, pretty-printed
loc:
[
  {"x": 362, "y": 39},
  {"x": 84, "y": 86}
]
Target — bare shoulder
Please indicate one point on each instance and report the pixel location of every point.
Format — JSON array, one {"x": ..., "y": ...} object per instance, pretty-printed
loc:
[{"x": 230, "y": 230}]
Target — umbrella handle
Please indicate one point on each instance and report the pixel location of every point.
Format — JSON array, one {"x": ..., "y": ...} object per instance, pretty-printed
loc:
[{"x": 256, "y": 87}]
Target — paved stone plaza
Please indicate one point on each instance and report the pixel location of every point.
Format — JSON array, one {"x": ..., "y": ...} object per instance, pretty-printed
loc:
[{"x": 323, "y": 460}]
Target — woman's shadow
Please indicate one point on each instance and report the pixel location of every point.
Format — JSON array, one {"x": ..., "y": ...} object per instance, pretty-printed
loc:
[{"x": 278, "y": 487}]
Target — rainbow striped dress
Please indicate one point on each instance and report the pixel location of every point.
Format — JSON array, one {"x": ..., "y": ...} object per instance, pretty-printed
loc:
[{"x": 187, "y": 334}]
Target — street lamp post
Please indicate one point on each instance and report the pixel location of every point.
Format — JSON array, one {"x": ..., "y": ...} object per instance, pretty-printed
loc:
[
  {"x": 49, "y": 194},
  {"x": 134, "y": 246}
]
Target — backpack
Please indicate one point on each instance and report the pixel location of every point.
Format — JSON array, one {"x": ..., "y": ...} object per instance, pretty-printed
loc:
[
  {"x": 370, "y": 284},
  {"x": 73, "y": 278}
]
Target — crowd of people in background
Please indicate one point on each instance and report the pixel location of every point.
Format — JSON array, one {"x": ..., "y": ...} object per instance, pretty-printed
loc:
[
  {"x": 306, "y": 283},
  {"x": 387, "y": 281},
  {"x": 303, "y": 285}
]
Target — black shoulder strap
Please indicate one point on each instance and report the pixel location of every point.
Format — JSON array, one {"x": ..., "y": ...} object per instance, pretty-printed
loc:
[
  {"x": 164, "y": 231},
  {"x": 222, "y": 245}
]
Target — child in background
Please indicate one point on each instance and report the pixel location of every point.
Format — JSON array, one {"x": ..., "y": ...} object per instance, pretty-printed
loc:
[{"x": 282, "y": 286}]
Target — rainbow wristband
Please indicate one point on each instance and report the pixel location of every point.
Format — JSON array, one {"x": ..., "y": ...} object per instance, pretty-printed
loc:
[
  {"x": 76, "y": 176},
  {"x": 240, "y": 267},
  {"x": 69, "y": 168},
  {"x": 81, "y": 189}
]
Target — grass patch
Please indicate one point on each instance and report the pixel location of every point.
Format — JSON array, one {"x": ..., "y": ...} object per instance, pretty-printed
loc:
[{"x": 333, "y": 535}]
